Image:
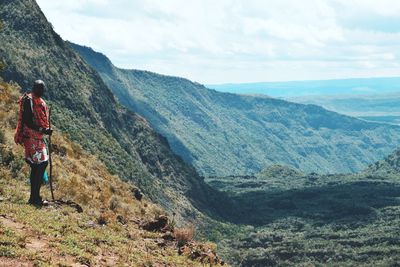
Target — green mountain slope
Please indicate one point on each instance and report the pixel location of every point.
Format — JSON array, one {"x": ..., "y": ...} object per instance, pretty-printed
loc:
[
  {"x": 85, "y": 109},
  {"x": 223, "y": 134}
]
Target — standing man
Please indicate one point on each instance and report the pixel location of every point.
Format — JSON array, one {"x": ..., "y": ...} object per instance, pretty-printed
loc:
[{"x": 33, "y": 124}]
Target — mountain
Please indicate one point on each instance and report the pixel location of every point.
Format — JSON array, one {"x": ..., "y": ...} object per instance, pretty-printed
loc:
[
  {"x": 388, "y": 167},
  {"x": 225, "y": 134},
  {"x": 86, "y": 110},
  {"x": 371, "y": 99},
  {"x": 342, "y": 87},
  {"x": 103, "y": 152},
  {"x": 97, "y": 221},
  {"x": 384, "y": 108}
]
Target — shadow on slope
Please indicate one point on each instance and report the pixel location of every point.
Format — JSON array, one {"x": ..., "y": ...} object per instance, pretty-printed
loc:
[{"x": 331, "y": 203}]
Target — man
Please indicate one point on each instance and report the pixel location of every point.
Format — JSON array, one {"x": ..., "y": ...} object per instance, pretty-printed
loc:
[{"x": 33, "y": 124}]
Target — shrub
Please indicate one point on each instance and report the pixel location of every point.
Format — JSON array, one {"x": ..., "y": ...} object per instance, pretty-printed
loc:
[
  {"x": 184, "y": 235},
  {"x": 77, "y": 149},
  {"x": 115, "y": 203},
  {"x": 6, "y": 156},
  {"x": 17, "y": 164}
]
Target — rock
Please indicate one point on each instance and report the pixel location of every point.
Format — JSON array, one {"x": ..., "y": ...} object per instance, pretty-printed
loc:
[
  {"x": 90, "y": 224},
  {"x": 70, "y": 203},
  {"x": 195, "y": 255},
  {"x": 201, "y": 253},
  {"x": 138, "y": 194},
  {"x": 168, "y": 236},
  {"x": 161, "y": 242},
  {"x": 184, "y": 250},
  {"x": 157, "y": 225}
]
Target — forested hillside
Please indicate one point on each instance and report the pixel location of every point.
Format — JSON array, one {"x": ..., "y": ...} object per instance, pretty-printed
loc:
[
  {"x": 84, "y": 108},
  {"x": 224, "y": 134}
]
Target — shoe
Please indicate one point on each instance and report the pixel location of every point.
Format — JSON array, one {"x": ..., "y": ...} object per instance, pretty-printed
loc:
[{"x": 36, "y": 202}]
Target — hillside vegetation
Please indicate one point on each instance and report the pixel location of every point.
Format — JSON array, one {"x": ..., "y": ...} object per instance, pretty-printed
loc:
[
  {"x": 226, "y": 134},
  {"x": 84, "y": 108},
  {"x": 290, "y": 218},
  {"x": 108, "y": 232},
  {"x": 103, "y": 152}
]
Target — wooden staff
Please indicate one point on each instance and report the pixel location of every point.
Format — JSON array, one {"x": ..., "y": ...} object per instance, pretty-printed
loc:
[{"x": 50, "y": 161}]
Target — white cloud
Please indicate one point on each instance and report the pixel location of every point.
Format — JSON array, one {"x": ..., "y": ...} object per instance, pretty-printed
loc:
[{"x": 238, "y": 40}]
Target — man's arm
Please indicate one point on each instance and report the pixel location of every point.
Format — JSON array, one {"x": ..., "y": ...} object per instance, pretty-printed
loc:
[{"x": 27, "y": 115}]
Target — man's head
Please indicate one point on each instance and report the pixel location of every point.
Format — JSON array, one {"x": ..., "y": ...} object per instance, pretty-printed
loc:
[{"x": 38, "y": 88}]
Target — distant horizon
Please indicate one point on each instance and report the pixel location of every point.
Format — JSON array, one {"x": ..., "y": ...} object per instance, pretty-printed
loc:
[
  {"x": 241, "y": 83},
  {"x": 330, "y": 87},
  {"x": 299, "y": 81}
]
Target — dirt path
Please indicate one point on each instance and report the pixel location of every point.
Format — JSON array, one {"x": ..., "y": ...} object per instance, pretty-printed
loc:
[
  {"x": 11, "y": 223},
  {"x": 34, "y": 244},
  {"x": 106, "y": 259},
  {"x": 7, "y": 262}
]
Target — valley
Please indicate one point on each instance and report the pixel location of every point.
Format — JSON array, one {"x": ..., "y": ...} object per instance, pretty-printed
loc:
[
  {"x": 289, "y": 218},
  {"x": 282, "y": 216},
  {"x": 383, "y": 108},
  {"x": 229, "y": 134},
  {"x": 232, "y": 176},
  {"x": 371, "y": 99}
]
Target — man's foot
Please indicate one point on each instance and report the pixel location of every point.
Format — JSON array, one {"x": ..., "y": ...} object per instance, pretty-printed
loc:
[{"x": 36, "y": 202}]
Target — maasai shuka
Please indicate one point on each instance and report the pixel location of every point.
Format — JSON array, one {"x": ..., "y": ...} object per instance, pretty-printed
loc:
[{"x": 33, "y": 140}]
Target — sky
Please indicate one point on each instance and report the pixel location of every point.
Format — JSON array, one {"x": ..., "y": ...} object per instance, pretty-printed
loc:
[{"x": 235, "y": 41}]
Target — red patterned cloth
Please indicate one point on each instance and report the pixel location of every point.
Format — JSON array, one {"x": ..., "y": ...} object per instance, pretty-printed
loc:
[
  {"x": 35, "y": 150},
  {"x": 32, "y": 140}
]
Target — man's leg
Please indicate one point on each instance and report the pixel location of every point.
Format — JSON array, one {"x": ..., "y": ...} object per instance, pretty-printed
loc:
[
  {"x": 40, "y": 173},
  {"x": 32, "y": 178},
  {"x": 36, "y": 182}
]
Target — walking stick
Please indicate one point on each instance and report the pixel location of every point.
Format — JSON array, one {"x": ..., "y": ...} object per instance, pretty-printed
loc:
[{"x": 50, "y": 161}]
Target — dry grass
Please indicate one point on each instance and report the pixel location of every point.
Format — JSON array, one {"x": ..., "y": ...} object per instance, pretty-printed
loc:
[
  {"x": 77, "y": 175},
  {"x": 184, "y": 235},
  {"x": 81, "y": 178}
]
